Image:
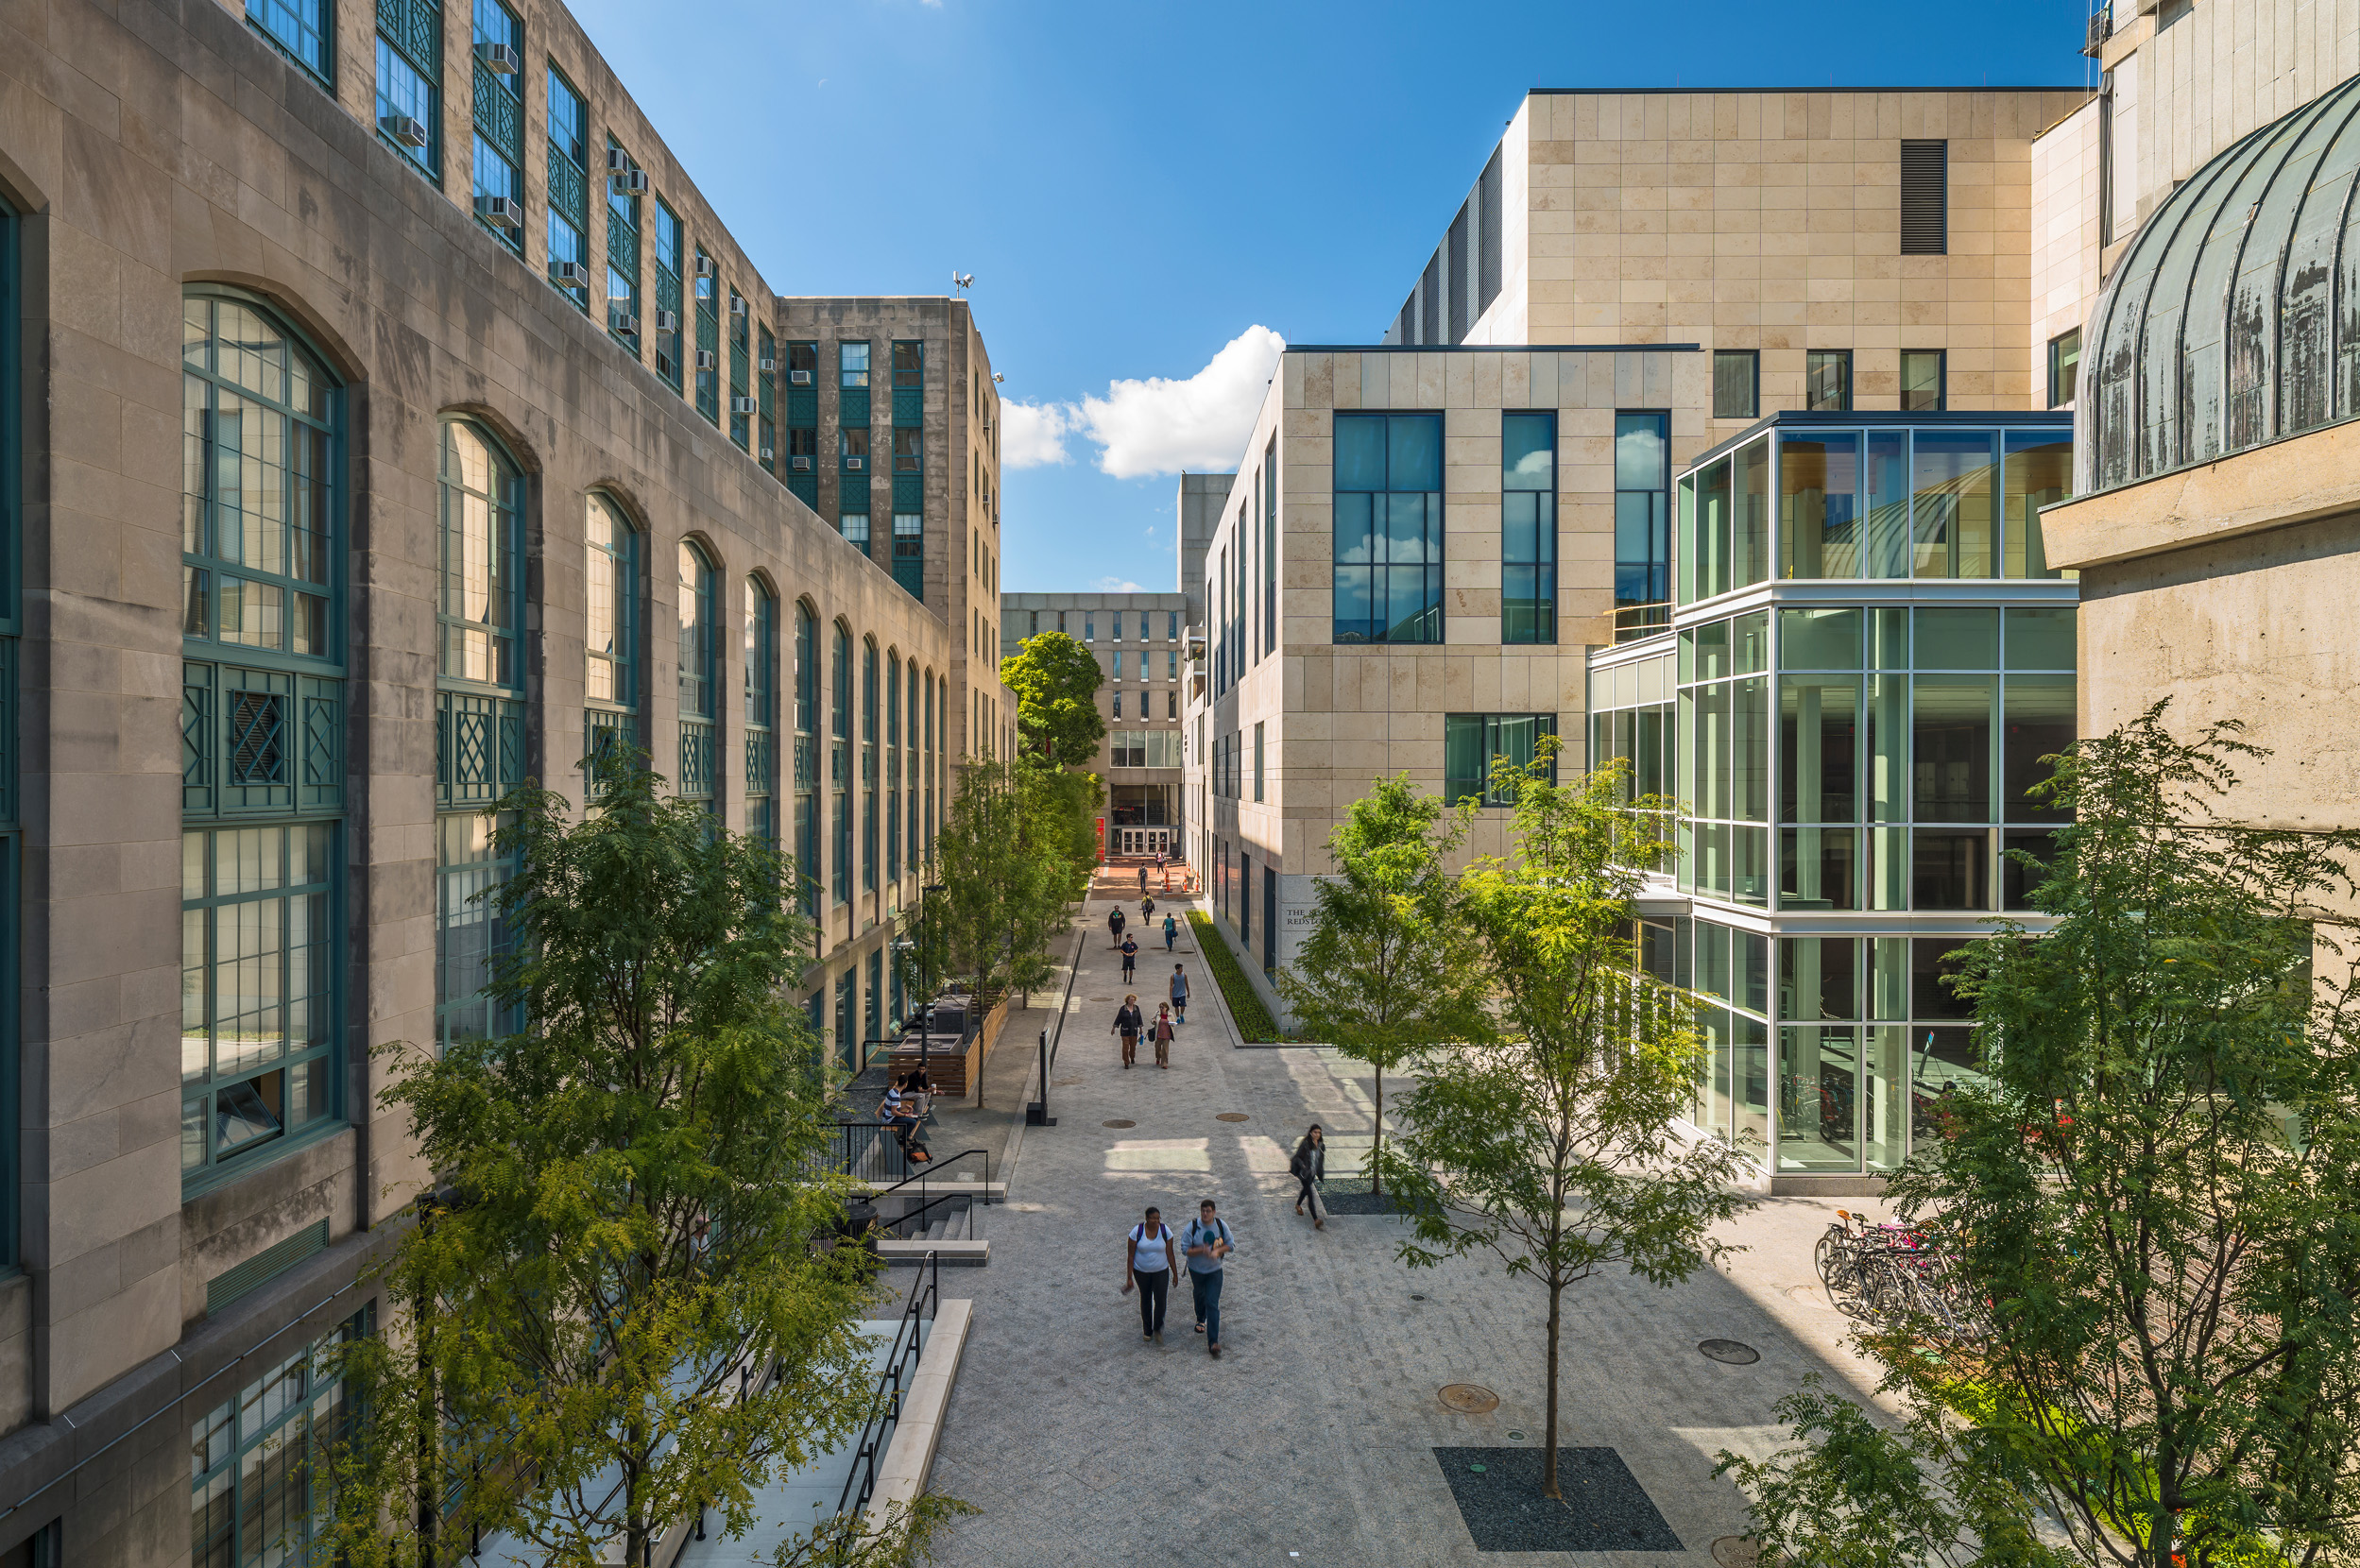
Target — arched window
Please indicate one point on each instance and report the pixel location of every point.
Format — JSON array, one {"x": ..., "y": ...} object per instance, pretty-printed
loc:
[
  {"x": 760, "y": 631},
  {"x": 840, "y": 765},
  {"x": 893, "y": 766},
  {"x": 699, "y": 653},
  {"x": 611, "y": 562},
  {"x": 807, "y": 755},
  {"x": 869, "y": 767},
  {"x": 910, "y": 740},
  {"x": 261, "y": 717},
  {"x": 480, "y": 746}
]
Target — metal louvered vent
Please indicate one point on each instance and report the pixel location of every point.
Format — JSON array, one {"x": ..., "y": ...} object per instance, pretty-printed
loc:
[
  {"x": 1457, "y": 253},
  {"x": 264, "y": 1267},
  {"x": 1924, "y": 199},
  {"x": 1431, "y": 290},
  {"x": 1487, "y": 243}
]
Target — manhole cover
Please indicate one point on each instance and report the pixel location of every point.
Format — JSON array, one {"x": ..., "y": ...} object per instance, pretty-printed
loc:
[
  {"x": 1737, "y": 1551},
  {"x": 1469, "y": 1399},
  {"x": 1515, "y": 1437},
  {"x": 1415, "y": 1297},
  {"x": 1119, "y": 1123},
  {"x": 1730, "y": 1351},
  {"x": 1233, "y": 1115}
]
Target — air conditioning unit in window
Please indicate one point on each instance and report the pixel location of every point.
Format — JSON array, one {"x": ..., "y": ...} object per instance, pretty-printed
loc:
[
  {"x": 499, "y": 211},
  {"x": 667, "y": 321},
  {"x": 741, "y": 405},
  {"x": 766, "y": 454},
  {"x": 632, "y": 181},
  {"x": 799, "y": 462},
  {"x": 617, "y": 160},
  {"x": 767, "y": 366},
  {"x": 409, "y": 132},
  {"x": 623, "y": 324},
  {"x": 500, "y": 58},
  {"x": 707, "y": 267},
  {"x": 707, "y": 359},
  {"x": 798, "y": 378},
  {"x": 737, "y": 304},
  {"x": 569, "y": 273},
  {"x": 854, "y": 464}
]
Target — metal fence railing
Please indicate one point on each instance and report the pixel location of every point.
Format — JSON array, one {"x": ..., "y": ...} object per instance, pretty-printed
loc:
[{"x": 893, "y": 1384}]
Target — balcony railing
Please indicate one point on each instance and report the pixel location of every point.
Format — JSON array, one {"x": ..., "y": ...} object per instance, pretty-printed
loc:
[{"x": 1633, "y": 623}]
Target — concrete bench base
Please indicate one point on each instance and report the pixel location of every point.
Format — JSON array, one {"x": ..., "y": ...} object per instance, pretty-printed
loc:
[
  {"x": 955, "y": 1254},
  {"x": 910, "y": 1457}
]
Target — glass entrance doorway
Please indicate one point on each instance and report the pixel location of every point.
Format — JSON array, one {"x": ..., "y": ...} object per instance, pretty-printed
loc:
[{"x": 1146, "y": 841}]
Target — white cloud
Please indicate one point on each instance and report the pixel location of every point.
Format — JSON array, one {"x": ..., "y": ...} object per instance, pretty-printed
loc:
[
  {"x": 1162, "y": 426},
  {"x": 1158, "y": 425},
  {"x": 1031, "y": 436},
  {"x": 1115, "y": 585}
]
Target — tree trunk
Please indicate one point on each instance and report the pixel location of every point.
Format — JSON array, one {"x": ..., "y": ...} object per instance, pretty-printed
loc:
[
  {"x": 1549, "y": 1431},
  {"x": 1376, "y": 1177}
]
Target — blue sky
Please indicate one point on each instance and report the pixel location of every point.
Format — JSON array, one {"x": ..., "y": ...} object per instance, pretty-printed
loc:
[{"x": 1137, "y": 187}]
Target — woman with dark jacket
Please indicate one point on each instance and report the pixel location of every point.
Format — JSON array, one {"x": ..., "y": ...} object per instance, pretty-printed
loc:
[
  {"x": 1309, "y": 1166},
  {"x": 1129, "y": 1021}
]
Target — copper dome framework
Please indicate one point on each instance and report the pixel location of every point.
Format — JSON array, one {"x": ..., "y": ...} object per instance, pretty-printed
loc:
[{"x": 2234, "y": 318}]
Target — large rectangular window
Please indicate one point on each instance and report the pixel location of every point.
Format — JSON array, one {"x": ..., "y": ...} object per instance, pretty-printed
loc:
[
  {"x": 1387, "y": 528},
  {"x": 302, "y": 29},
  {"x": 1923, "y": 377},
  {"x": 741, "y": 373},
  {"x": 569, "y": 185},
  {"x": 499, "y": 123},
  {"x": 1527, "y": 528},
  {"x": 1737, "y": 383},
  {"x": 1473, "y": 743},
  {"x": 257, "y": 989},
  {"x": 2064, "y": 367},
  {"x": 1642, "y": 524},
  {"x": 708, "y": 291},
  {"x": 258, "y": 1461},
  {"x": 670, "y": 239},
  {"x": 409, "y": 81},
  {"x": 622, "y": 248},
  {"x": 1818, "y": 505},
  {"x": 1827, "y": 381}
]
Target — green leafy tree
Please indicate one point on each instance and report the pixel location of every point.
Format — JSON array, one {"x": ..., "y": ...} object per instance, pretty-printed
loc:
[
  {"x": 2155, "y": 1183},
  {"x": 1389, "y": 970},
  {"x": 1006, "y": 878},
  {"x": 623, "y": 1305},
  {"x": 1554, "y": 1148},
  {"x": 1056, "y": 681}
]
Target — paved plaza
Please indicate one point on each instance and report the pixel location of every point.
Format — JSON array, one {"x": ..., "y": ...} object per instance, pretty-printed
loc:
[{"x": 1312, "y": 1442}]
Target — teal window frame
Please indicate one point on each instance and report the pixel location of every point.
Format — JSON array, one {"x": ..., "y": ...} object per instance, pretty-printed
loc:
[
  {"x": 499, "y": 115},
  {"x": 893, "y": 765},
  {"x": 414, "y": 45},
  {"x": 759, "y": 636},
  {"x": 707, "y": 288},
  {"x": 259, "y": 1461},
  {"x": 12, "y": 839},
  {"x": 740, "y": 366},
  {"x": 1528, "y": 527},
  {"x": 698, "y": 611},
  {"x": 623, "y": 252},
  {"x": 807, "y": 682},
  {"x": 614, "y": 566},
  {"x": 840, "y": 764},
  {"x": 303, "y": 31},
  {"x": 670, "y": 239},
  {"x": 1375, "y": 566},
  {"x": 869, "y": 766},
  {"x": 766, "y": 402},
  {"x": 482, "y": 739},
  {"x": 1471, "y": 743},
  {"x": 566, "y": 120}
]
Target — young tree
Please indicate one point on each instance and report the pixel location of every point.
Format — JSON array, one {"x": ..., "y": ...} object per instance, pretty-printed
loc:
[
  {"x": 1056, "y": 681},
  {"x": 1389, "y": 970},
  {"x": 1554, "y": 1149},
  {"x": 2154, "y": 1183},
  {"x": 620, "y": 1308},
  {"x": 1005, "y": 878}
]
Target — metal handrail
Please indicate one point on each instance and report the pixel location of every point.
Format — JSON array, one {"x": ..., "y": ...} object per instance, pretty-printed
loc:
[
  {"x": 934, "y": 1168},
  {"x": 902, "y": 1362}
]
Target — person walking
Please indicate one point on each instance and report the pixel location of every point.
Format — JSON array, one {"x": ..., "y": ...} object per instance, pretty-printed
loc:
[
  {"x": 1179, "y": 994},
  {"x": 1148, "y": 1262},
  {"x": 1142, "y": 882},
  {"x": 1163, "y": 1035},
  {"x": 1206, "y": 1244},
  {"x": 1113, "y": 925},
  {"x": 1129, "y": 958},
  {"x": 1309, "y": 1166},
  {"x": 1128, "y": 1022},
  {"x": 1171, "y": 931},
  {"x": 1146, "y": 908}
]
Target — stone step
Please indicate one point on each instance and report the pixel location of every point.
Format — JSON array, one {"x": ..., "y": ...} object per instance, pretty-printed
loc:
[{"x": 955, "y": 1254}]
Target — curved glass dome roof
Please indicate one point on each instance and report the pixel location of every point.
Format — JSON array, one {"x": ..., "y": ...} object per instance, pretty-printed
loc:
[{"x": 2235, "y": 317}]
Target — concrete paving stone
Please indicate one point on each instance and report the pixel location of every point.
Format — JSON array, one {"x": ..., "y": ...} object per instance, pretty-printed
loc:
[{"x": 1315, "y": 1431}]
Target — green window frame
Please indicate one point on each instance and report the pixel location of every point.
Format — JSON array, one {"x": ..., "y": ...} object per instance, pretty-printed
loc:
[
  {"x": 1471, "y": 743},
  {"x": 807, "y": 678},
  {"x": 409, "y": 81},
  {"x": 869, "y": 766},
  {"x": 1528, "y": 527},
  {"x": 840, "y": 764},
  {"x": 852, "y": 381},
  {"x": 567, "y": 120},
  {"x": 893, "y": 765},
  {"x": 909, "y": 382},
  {"x": 614, "y": 573},
  {"x": 11, "y": 841},
  {"x": 741, "y": 370},
  {"x": 707, "y": 290},
  {"x": 481, "y": 741},
  {"x": 303, "y": 31},
  {"x": 765, "y": 398},
  {"x": 698, "y": 613},
  {"x": 622, "y": 249},
  {"x": 758, "y": 634},
  {"x": 1387, "y": 560},
  {"x": 670, "y": 239},
  {"x": 258, "y": 1461},
  {"x": 258, "y": 992},
  {"x": 499, "y": 114}
]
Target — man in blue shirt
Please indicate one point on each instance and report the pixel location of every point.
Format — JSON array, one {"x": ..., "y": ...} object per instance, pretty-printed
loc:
[
  {"x": 1179, "y": 994},
  {"x": 1207, "y": 1243}
]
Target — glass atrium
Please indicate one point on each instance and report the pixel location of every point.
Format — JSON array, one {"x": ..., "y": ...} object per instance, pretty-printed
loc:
[{"x": 1868, "y": 657}]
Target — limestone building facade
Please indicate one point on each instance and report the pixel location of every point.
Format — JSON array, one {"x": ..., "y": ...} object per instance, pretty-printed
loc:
[
  {"x": 380, "y": 372},
  {"x": 1140, "y": 641}
]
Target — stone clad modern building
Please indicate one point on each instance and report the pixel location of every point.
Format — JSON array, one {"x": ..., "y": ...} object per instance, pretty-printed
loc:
[
  {"x": 378, "y": 373},
  {"x": 1140, "y": 643},
  {"x": 1426, "y": 535}
]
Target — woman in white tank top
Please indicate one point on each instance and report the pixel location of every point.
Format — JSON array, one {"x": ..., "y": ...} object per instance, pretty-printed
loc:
[{"x": 1150, "y": 1259}]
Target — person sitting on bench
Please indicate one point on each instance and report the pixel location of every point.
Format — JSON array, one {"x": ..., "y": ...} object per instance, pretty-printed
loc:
[{"x": 904, "y": 1109}]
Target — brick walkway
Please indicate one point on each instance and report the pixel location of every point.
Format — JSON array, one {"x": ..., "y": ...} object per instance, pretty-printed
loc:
[{"x": 1315, "y": 1434}]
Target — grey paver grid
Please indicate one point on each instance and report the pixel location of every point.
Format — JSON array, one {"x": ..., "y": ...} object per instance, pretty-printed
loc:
[{"x": 1315, "y": 1434}]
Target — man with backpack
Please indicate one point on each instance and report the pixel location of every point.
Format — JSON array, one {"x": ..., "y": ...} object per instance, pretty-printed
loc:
[
  {"x": 1179, "y": 994},
  {"x": 1206, "y": 1244}
]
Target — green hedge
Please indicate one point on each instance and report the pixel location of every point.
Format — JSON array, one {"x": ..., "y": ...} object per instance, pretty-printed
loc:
[{"x": 1255, "y": 1024}]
